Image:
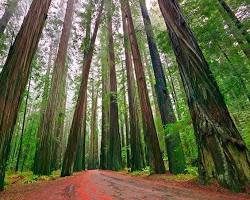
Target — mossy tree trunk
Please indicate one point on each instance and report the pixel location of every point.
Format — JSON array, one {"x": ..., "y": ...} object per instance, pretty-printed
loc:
[
  {"x": 126, "y": 121},
  {"x": 175, "y": 152},
  {"x": 23, "y": 127},
  {"x": 105, "y": 109},
  {"x": 222, "y": 152}
]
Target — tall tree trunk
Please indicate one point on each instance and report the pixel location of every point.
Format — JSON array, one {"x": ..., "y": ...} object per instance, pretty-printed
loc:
[
  {"x": 244, "y": 38},
  {"x": 105, "y": 114},
  {"x": 174, "y": 93},
  {"x": 115, "y": 163},
  {"x": 49, "y": 122},
  {"x": 76, "y": 126},
  {"x": 136, "y": 157},
  {"x": 27, "y": 147},
  {"x": 59, "y": 130},
  {"x": 222, "y": 152},
  {"x": 79, "y": 163},
  {"x": 93, "y": 135},
  {"x": 45, "y": 94},
  {"x": 127, "y": 128},
  {"x": 175, "y": 152},
  {"x": 84, "y": 133},
  {"x": 156, "y": 161},
  {"x": 23, "y": 127},
  {"x": 8, "y": 13},
  {"x": 15, "y": 73}
]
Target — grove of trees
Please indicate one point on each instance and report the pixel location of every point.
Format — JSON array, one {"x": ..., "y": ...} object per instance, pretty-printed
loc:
[{"x": 119, "y": 84}]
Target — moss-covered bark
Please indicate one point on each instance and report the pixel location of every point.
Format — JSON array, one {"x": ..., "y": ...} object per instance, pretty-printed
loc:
[{"x": 222, "y": 152}]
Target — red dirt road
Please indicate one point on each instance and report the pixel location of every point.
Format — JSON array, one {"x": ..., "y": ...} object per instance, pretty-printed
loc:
[{"x": 107, "y": 185}]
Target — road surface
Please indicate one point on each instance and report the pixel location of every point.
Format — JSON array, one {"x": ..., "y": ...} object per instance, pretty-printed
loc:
[{"x": 107, "y": 185}]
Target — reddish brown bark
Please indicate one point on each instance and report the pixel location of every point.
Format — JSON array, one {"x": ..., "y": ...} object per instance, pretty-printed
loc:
[
  {"x": 115, "y": 161},
  {"x": 75, "y": 131},
  {"x": 156, "y": 161},
  {"x": 15, "y": 73},
  {"x": 53, "y": 115},
  {"x": 222, "y": 152},
  {"x": 134, "y": 134}
]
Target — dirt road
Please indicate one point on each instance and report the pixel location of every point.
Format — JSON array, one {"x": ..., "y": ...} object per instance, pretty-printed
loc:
[{"x": 107, "y": 185}]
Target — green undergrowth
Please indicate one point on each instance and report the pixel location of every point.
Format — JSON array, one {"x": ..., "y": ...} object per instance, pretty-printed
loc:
[
  {"x": 191, "y": 174},
  {"x": 144, "y": 172},
  {"x": 28, "y": 177}
]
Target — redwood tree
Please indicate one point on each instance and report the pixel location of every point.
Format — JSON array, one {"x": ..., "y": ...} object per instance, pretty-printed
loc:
[
  {"x": 153, "y": 147},
  {"x": 80, "y": 156},
  {"x": 105, "y": 106},
  {"x": 134, "y": 134},
  {"x": 15, "y": 73},
  {"x": 222, "y": 152},
  {"x": 175, "y": 152},
  {"x": 115, "y": 161},
  {"x": 76, "y": 126},
  {"x": 53, "y": 114}
]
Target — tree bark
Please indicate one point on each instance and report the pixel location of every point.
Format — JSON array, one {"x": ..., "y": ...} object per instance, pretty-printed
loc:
[
  {"x": 93, "y": 156},
  {"x": 134, "y": 134},
  {"x": 222, "y": 152},
  {"x": 80, "y": 156},
  {"x": 105, "y": 106},
  {"x": 115, "y": 162},
  {"x": 52, "y": 115},
  {"x": 15, "y": 73},
  {"x": 76, "y": 126},
  {"x": 156, "y": 161},
  {"x": 175, "y": 152}
]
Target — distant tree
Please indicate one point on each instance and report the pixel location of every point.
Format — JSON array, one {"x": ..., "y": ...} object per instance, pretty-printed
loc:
[
  {"x": 93, "y": 148},
  {"x": 243, "y": 38},
  {"x": 10, "y": 9},
  {"x": 76, "y": 126}
]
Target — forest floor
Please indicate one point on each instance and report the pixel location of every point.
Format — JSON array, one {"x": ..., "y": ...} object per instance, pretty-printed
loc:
[{"x": 107, "y": 185}]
